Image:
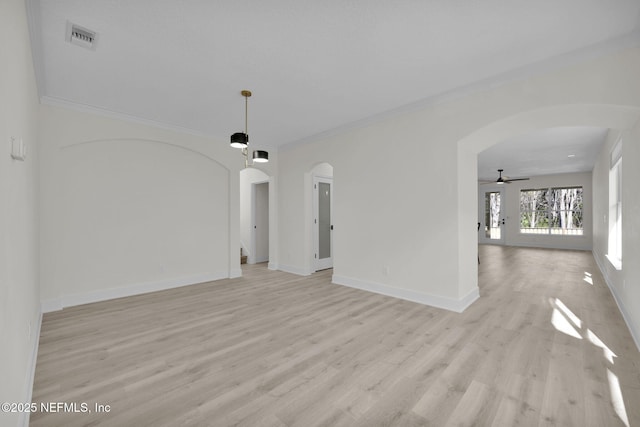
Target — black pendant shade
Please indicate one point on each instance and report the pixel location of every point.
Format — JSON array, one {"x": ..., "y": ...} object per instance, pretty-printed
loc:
[
  {"x": 260, "y": 156},
  {"x": 239, "y": 140}
]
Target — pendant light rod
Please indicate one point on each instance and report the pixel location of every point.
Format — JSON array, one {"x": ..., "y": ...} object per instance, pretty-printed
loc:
[
  {"x": 245, "y": 150},
  {"x": 241, "y": 140},
  {"x": 246, "y": 94}
]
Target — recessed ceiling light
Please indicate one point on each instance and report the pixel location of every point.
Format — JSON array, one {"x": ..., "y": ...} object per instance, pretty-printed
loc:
[{"x": 571, "y": 155}]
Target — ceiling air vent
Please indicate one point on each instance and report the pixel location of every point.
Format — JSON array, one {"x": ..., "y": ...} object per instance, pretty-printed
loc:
[{"x": 81, "y": 36}]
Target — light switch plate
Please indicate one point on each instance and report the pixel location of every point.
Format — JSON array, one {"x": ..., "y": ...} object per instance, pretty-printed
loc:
[{"x": 18, "y": 149}]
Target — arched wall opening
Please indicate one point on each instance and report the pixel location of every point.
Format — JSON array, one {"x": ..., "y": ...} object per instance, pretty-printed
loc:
[
  {"x": 129, "y": 212},
  {"x": 615, "y": 117}
]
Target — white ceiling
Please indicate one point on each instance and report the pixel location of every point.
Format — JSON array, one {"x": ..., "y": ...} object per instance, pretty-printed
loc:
[
  {"x": 543, "y": 152},
  {"x": 313, "y": 66}
]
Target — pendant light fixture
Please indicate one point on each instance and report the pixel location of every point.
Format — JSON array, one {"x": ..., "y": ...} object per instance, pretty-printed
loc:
[{"x": 241, "y": 140}]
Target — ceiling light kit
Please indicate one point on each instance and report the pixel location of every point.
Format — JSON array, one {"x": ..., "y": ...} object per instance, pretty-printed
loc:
[
  {"x": 504, "y": 179},
  {"x": 241, "y": 140},
  {"x": 507, "y": 180}
]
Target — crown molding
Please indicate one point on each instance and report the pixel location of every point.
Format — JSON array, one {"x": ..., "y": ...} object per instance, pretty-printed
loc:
[
  {"x": 85, "y": 108},
  {"x": 35, "y": 38}
]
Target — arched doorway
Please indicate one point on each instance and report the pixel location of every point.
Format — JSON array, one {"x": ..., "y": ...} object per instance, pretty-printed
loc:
[{"x": 607, "y": 116}]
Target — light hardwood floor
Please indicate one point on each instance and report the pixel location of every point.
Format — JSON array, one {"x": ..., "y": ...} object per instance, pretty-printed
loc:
[{"x": 542, "y": 346}]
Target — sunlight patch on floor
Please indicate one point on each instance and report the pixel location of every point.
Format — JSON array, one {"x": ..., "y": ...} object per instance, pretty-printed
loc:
[
  {"x": 564, "y": 320},
  {"x": 616, "y": 397},
  {"x": 575, "y": 319},
  {"x": 593, "y": 338},
  {"x": 561, "y": 316},
  {"x": 588, "y": 278},
  {"x": 562, "y": 324}
]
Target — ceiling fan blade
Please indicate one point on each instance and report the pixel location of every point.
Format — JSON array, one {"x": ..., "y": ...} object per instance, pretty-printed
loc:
[{"x": 502, "y": 179}]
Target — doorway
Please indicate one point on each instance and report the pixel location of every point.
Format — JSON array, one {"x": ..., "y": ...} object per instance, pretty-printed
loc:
[
  {"x": 256, "y": 221},
  {"x": 492, "y": 216},
  {"x": 260, "y": 221},
  {"x": 322, "y": 223}
]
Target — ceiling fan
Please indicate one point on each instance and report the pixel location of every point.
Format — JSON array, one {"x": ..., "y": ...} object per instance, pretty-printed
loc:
[{"x": 504, "y": 179}]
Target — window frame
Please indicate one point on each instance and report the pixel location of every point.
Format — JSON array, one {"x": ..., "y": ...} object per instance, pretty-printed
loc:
[
  {"x": 549, "y": 211},
  {"x": 615, "y": 235}
]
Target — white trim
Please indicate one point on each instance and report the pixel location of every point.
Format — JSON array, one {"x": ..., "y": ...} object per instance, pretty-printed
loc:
[
  {"x": 294, "y": 270},
  {"x": 126, "y": 291},
  {"x": 550, "y": 245},
  {"x": 253, "y": 257},
  {"x": 23, "y": 419},
  {"x": 635, "y": 334},
  {"x": 234, "y": 273},
  {"x": 466, "y": 301},
  {"x": 84, "y": 108},
  {"x": 615, "y": 262},
  {"x": 482, "y": 190},
  {"x": 419, "y": 297},
  {"x": 252, "y": 225},
  {"x": 35, "y": 38},
  {"x": 49, "y": 305},
  {"x": 325, "y": 263},
  {"x": 616, "y": 152},
  {"x": 272, "y": 266}
]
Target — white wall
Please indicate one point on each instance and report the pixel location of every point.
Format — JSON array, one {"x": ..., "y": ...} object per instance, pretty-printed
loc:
[
  {"x": 19, "y": 290},
  {"x": 513, "y": 237},
  {"x": 390, "y": 236},
  {"x": 129, "y": 208},
  {"x": 625, "y": 283}
]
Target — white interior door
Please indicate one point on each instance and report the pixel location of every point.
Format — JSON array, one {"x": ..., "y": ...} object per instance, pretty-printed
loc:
[
  {"x": 492, "y": 216},
  {"x": 323, "y": 226},
  {"x": 260, "y": 222}
]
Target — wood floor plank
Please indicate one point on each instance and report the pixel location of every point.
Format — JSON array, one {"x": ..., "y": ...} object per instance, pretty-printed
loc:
[{"x": 544, "y": 345}]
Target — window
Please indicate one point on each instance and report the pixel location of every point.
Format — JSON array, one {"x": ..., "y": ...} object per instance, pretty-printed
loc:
[
  {"x": 556, "y": 211},
  {"x": 615, "y": 207}
]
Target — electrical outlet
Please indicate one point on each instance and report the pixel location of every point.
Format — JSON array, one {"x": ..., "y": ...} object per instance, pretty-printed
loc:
[{"x": 385, "y": 270}]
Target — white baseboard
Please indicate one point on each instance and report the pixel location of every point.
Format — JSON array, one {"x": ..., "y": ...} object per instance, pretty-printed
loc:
[
  {"x": 53, "y": 304},
  {"x": 236, "y": 272},
  {"x": 543, "y": 245},
  {"x": 431, "y": 300},
  {"x": 126, "y": 291},
  {"x": 23, "y": 419},
  {"x": 272, "y": 266},
  {"x": 635, "y": 334},
  {"x": 294, "y": 270},
  {"x": 464, "y": 302}
]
